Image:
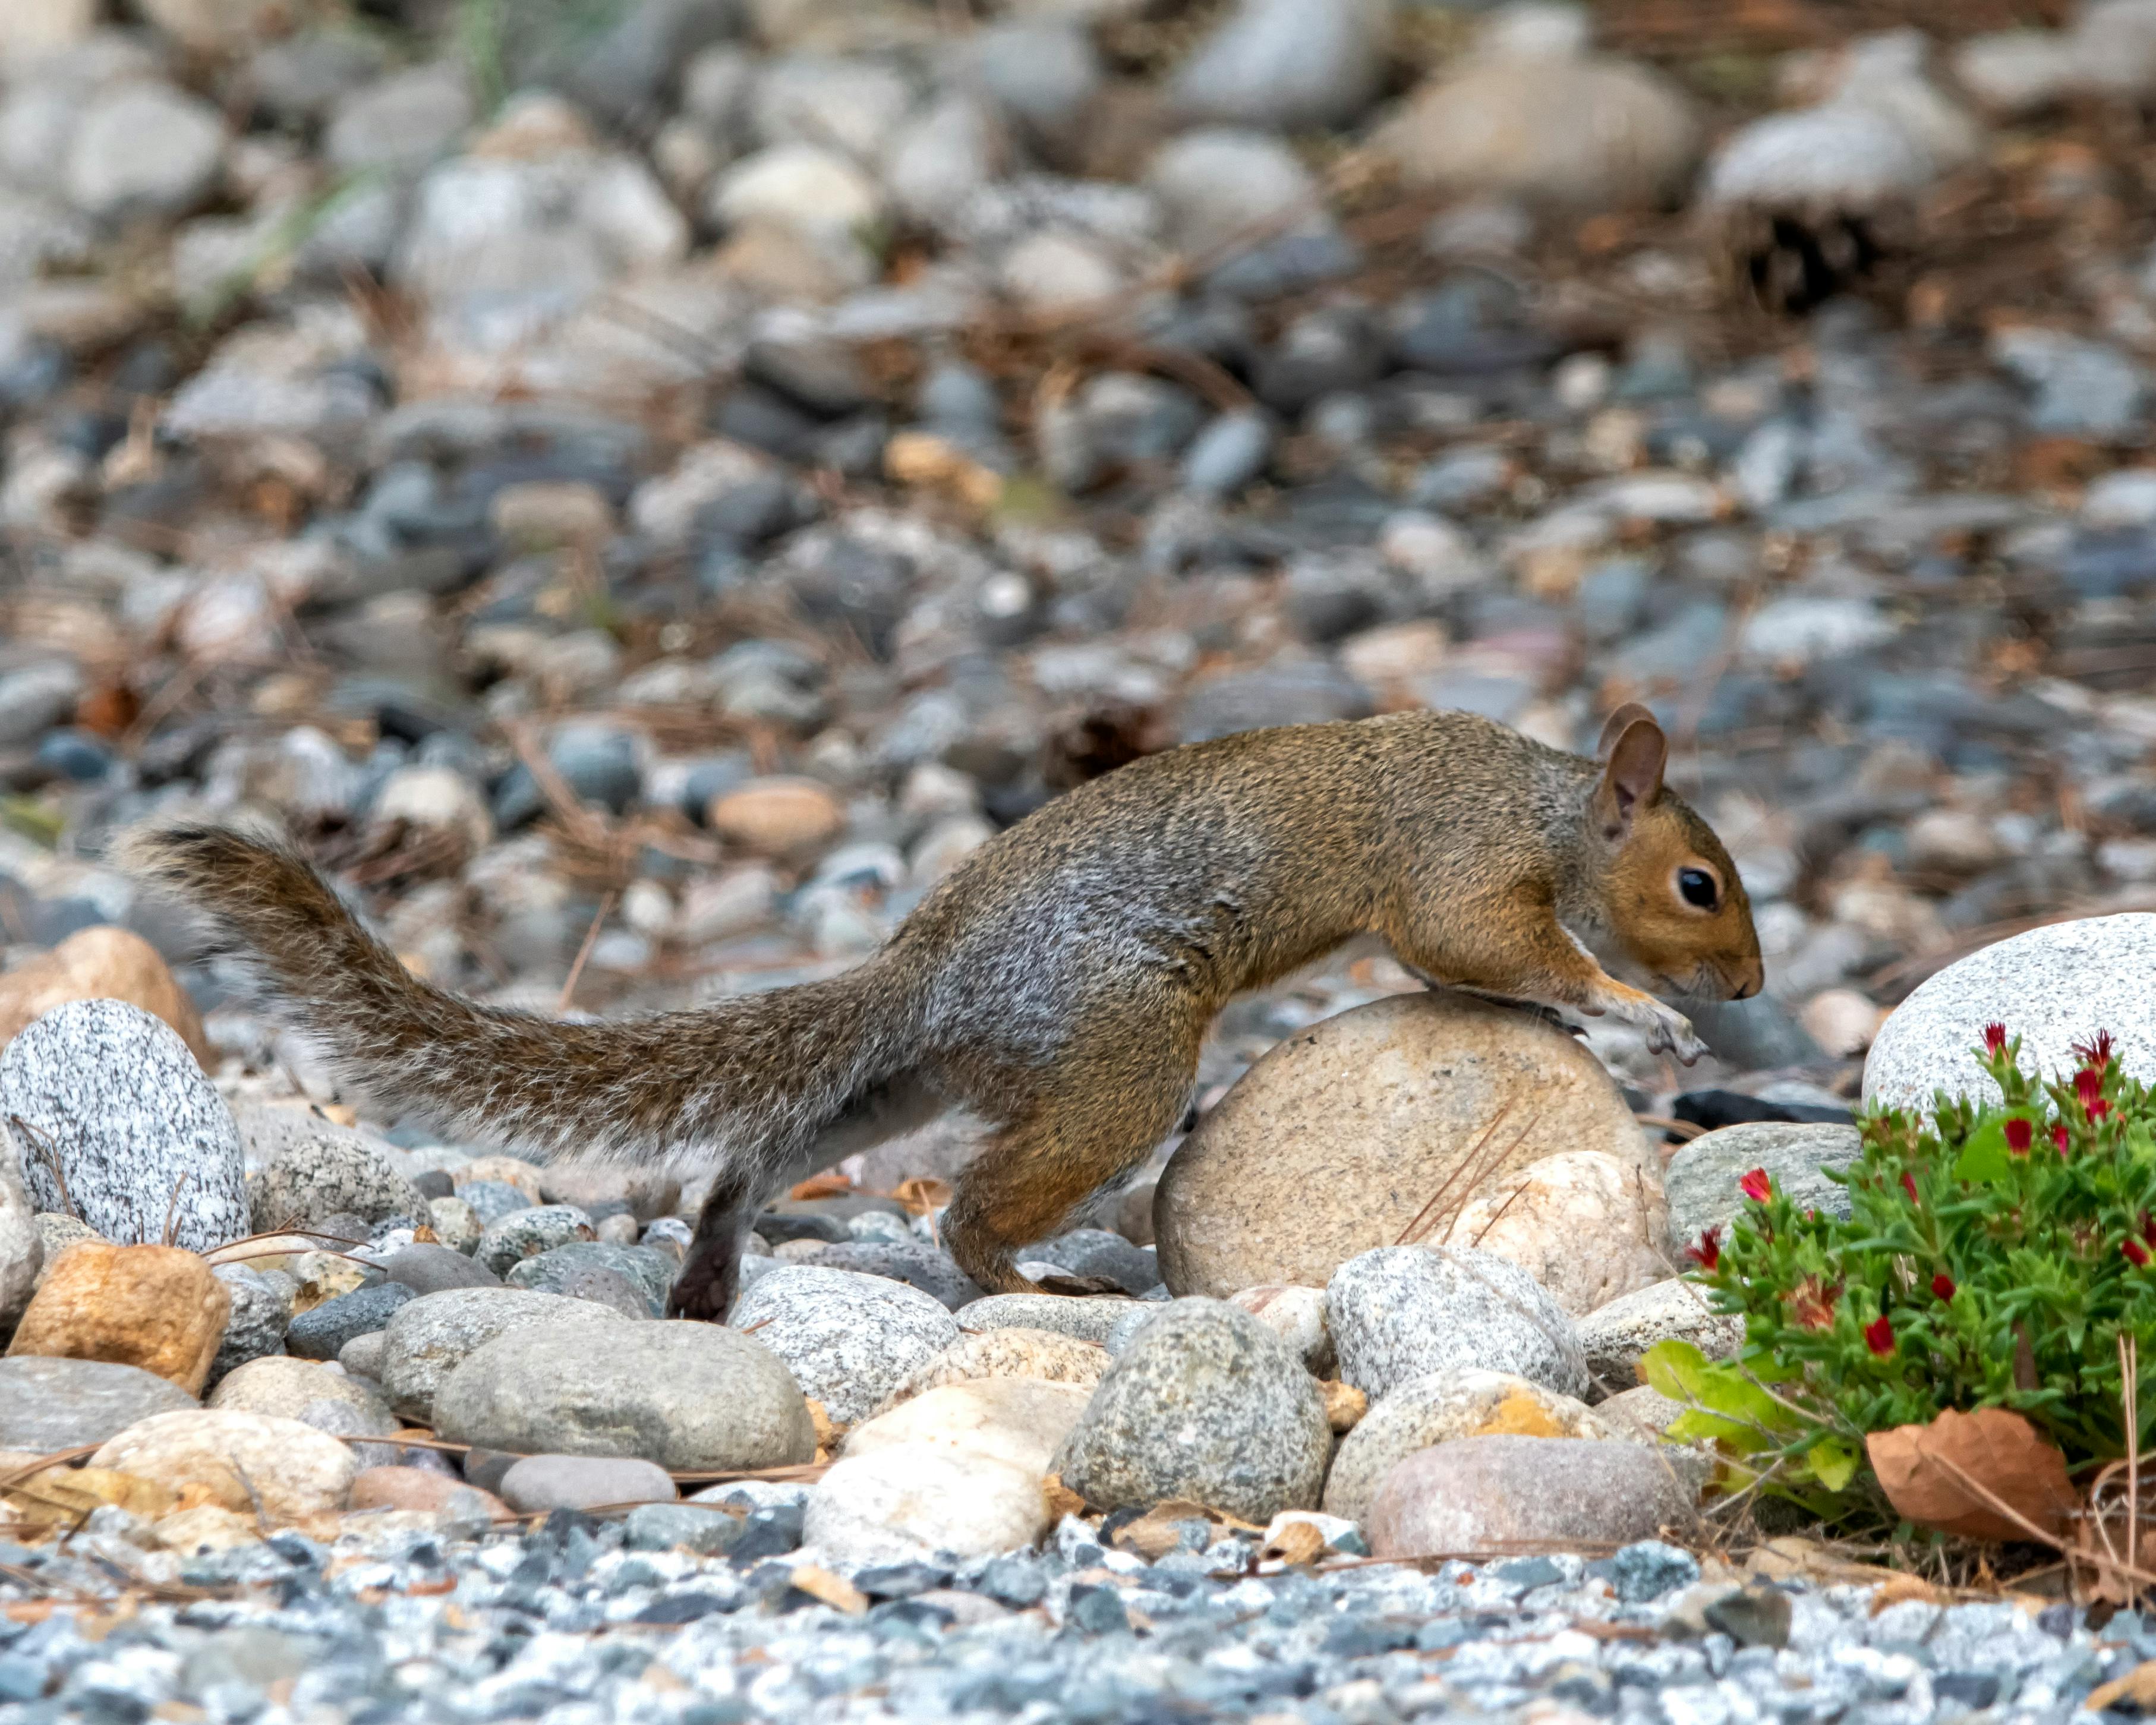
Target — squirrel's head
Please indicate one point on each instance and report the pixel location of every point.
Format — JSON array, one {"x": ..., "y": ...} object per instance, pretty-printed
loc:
[{"x": 1674, "y": 904}]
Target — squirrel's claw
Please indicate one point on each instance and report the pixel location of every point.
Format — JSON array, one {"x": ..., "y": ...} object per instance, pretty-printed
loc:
[{"x": 1671, "y": 1033}]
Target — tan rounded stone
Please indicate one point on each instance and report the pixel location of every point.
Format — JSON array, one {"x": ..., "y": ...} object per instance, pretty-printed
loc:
[
  {"x": 1496, "y": 1493},
  {"x": 280, "y": 1384},
  {"x": 1343, "y": 1136},
  {"x": 511, "y": 1170},
  {"x": 776, "y": 816},
  {"x": 153, "y": 1307},
  {"x": 292, "y": 1469},
  {"x": 1436, "y": 1408},
  {"x": 102, "y": 963},
  {"x": 1015, "y": 1353},
  {"x": 207, "y": 1528},
  {"x": 1586, "y": 1225},
  {"x": 422, "y": 1489},
  {"x": 1016, "y": 1420}
]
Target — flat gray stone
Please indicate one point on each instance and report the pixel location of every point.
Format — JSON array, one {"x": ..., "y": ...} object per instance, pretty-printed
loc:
[
  {"x": 2051, "y": 987},
  {"x": 1096, "y": 1252},
  {"x": 120, "y": 1128},
  {"x": 1486, "y": 1493},
  {"x": 1401, "y": 1311},
  {"x": 47, "y": 1404},
  {"x": 683, "y": 1396},
  {"x": 323, "y": 1170},
  {"x": 1207, "y": 1403},
  {"x": 916, "y": 1264},
  {"x": 540, "y": 1482},
  {"x": 321, "y": 1332},
  {"x": 1700, "y": 1181},
  {"x": 427, "y": 1269},
  {"x": 848, "y": 1338},
  {"x": 428, "y": 1337}
]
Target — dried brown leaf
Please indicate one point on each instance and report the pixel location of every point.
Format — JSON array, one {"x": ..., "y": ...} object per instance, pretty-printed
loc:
[{"x": 1989, "y": 1475}]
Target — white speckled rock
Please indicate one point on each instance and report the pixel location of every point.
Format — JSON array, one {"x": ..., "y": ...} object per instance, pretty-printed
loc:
[
  {"x": 1018, "y": 1421},
  {"x": 913, "y": 1501},
  {"x": 428, "y": 1337},
  {"x": 1088, "y": 1320},
  {"x": 113, "y": 1094},
  {"x": 683, "y": 1396},
  {"x": 849, "y": 1339},
  {"x": 1041, "y": 1355},
  {"x": 1701, "y": 1180},
  {"x": 1614, "y": 1336},
  {"x": 326, "y": 1171},
  {"x": 1401, "y": 1311},
  {"x": 526, "y": 1234},
  {"x": 1585, "y": 1225},
  {"x": 1207, "y": 1403},
  {"x": 1436, "y": 1407},
  {"x": 2051, "y": 987},
  {"x": 22, "y": 1246}
]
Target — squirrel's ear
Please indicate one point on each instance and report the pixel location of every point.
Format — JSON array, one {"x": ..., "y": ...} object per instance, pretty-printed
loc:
[{"x": 1636, "y": 751}]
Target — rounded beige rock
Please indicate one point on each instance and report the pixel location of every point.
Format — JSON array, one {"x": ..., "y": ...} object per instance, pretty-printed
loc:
[
  {"x": 1015, "y": 1353},
  {"x": 239, "y": 1459},
  {"x": 1018, "y": 1421},
  {"x": 281, "y": 1384},
  {"x": 1345, "y": 1135},
  {"x": 1584, "y": 1223}
]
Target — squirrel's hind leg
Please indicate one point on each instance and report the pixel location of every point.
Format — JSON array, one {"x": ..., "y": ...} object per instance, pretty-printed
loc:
[{"x": 710, "y": 1270}]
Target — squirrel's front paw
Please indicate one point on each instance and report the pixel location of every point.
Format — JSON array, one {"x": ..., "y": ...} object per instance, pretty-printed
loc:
[{"x": 1672, "y": 1033}]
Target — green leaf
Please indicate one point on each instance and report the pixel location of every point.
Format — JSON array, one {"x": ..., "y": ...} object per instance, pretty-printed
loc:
[
  {"x": 1833, "y": 1463},
  {"x": 1984, "y": 1159}
]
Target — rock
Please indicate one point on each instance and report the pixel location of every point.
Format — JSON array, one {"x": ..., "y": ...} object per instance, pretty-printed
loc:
[
  {"x": 2052, "y": 987},
  {"x": 490, "y": 1200},
  {"x": 944, "y": 157},
  {"x": 111, "y": 1096},
  {"x": 1702, "y": 1179},
  {"x": 528, "y": 1177},
  {"x": 241, "y": 1459},
  {"x": 1640, "y": 1412},
  {"x": 143, "y": 149},
  {"x": 1037, "y": 1354},
  {"x": 1297, "y": 1316},
  {"x": 649, "y": 1272},
  {"x": 1053, "y": 271},
  {"x": 1402, "y": 1311},
  {"x": 848, "y": 1339},
  {"x": 457, "y": 1228},
  {"x": 207, "y": 1530},
  {"x": 812, "y": 193},
  {"x": 1017, "y": 1421},
  {"x": 1437, "y": 1408},
  {"x": 668, "y": 1527},
  {"x": 1577, "y": 130},
  {"x": 318, "y": 1396},
  {"x": 1233, "y": 450},
  {"x": 321, "y": 1332},
  {"x": 1614, "y": 1337},
  {"x": 331, "y": 1172},
  {"x": 1044, "y": 74},
  {"x": 31, "y": 33},
  {"x": 1221, "y": 183},
  {"x": 1836, "y": 159},
  {"x": 101, "y": 964},
  {"x": 423, "y": 1489},
  {"x": 1096, "y": 1252},
  {"x": 254, "y": 1328},
  {"x": 1481, "y": 1493},
  {"x": 684, "y": 1395},
  {"x": 22, "y": 1244},
  {"x": 649, "y": 1192},
  {"x": 1338, "y": 1141},
  {"x": 58, "y": 1233},
  {"x": 427, "y": 1339},
  {"x": 914, "y": 1502},
  {"x": 427, "y": 1269},
  {"x": 48, "y": 1404},
  {"x": 362, "y": 1356},
  {"x": 1088, "y": 1320},
  {"x": 1584, "y": 1224},
  {"x": 543, "y": 1482},
  {"x": 155, "y": 1307},
  {"x": 1287, "y": 64},
  {"x": 525, "y": 1234},
  {"x": 398, "y": 121},
  {"x": 776, "y": 817},
  {"x": 1207, "y": 1403},
  {"x": 935, "y": 1272}
]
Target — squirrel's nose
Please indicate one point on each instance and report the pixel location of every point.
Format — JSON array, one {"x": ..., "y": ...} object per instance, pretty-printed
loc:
[{"x": 1750, "y": 979}]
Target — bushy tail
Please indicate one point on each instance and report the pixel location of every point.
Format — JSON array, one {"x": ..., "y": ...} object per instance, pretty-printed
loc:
[{"x": 752, "y": 1078}]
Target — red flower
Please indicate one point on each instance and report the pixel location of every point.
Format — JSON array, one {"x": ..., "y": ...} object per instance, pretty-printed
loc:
[
  {"x": 1707, "y": 1254},
  {"x": 2137, "y": 1254},
  {"x": 2020, "y": 1134},
  {"x": 1811, "y": 1306},
  {"x": 2059, "y": 1135},
  {"x": 2095, "y": 1051},
  {"x": 1909, "y": 1186},
  {"x": 2098, "y": 1109},
  {"x": 2088, "y": 1086},
  {"x": 1756, "y": 1186},
  {"x": 2148, "y": 1228},
  {"x": 1942, "y": 1285},
  {"x": 1994, "y": 1038},
  {"x": 1879, "y": 1335}
]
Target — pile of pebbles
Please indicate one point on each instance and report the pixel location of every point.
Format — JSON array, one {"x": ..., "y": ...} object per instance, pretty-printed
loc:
[{"x": 642, "y": 500}]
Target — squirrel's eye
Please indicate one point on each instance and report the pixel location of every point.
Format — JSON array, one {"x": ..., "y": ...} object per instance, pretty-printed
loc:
[{"x": 1696, "y": 888}]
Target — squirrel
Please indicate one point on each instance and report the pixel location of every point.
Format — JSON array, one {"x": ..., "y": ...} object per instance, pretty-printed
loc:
[{"x": 1060, "y": 981}]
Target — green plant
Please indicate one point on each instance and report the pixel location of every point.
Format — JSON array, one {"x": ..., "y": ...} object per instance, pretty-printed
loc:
[{"x": 1994, "y": 1254}]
